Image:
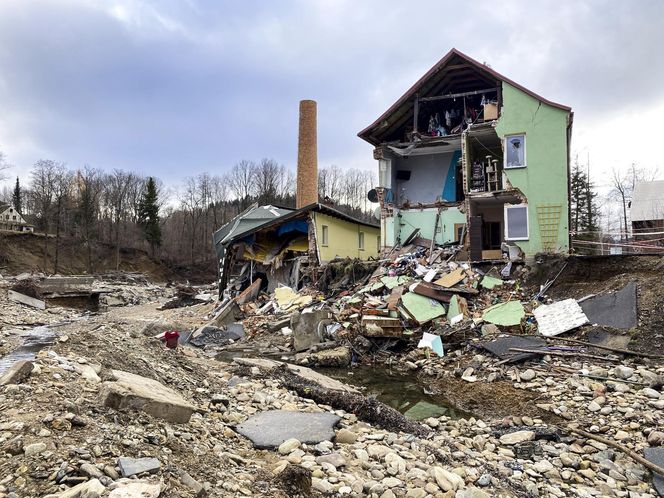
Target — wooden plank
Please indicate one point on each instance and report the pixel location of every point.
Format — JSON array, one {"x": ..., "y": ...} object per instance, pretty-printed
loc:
[
  {"x": 434, "y": 292},
  {"x": 27, "y": 300},
  {"x": 452, "y": 278}
]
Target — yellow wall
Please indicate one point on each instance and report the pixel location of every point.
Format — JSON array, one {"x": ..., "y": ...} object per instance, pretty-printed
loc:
[{"x": 343, "y": 239}]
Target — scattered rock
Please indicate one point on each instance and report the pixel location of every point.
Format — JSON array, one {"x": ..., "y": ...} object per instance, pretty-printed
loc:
[
  {"x": 17, "y": 373},
  {"x": 517, "y": 437},
  {"x": 132, "y": 466}
]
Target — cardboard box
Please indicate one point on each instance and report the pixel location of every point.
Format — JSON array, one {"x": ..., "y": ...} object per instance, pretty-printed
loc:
[{"x": 490, "y": 112}]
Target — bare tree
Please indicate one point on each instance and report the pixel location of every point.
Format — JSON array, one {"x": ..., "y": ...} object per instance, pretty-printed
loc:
[
  {"x": 241, "y": 181},
  {"x": 88, "y": 195},
  {"x": 43, "y": 184},
  {"x": 61, "y": 189},
  {"x": 191, "y": 202},
  {"x": 117, "y": 186}
]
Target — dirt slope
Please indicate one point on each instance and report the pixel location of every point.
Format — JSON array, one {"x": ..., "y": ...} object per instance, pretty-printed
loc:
[{"x": 23, "y": 252}]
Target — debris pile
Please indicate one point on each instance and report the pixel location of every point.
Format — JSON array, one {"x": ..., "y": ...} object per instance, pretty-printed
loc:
[{"x": 552, "y": 402}]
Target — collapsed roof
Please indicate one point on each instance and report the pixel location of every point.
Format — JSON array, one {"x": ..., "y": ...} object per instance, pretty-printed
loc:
[{"x": 454, "y": 73}]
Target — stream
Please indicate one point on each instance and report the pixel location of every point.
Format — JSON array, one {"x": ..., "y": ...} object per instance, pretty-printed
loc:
[
  {"x": 32, "y": 341},
  {"x": 399, "y": 390}
]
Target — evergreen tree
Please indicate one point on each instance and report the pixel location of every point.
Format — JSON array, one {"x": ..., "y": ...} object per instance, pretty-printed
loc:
[
  {"x": 149, "y": 215},
  {"x": 584, "y": 222},
  {"x": 17, "y": 197}
]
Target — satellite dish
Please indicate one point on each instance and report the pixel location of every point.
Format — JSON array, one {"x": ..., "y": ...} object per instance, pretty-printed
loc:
[
  {"x": 372, "y": 195},
  {"x": 376, "y": 213}
]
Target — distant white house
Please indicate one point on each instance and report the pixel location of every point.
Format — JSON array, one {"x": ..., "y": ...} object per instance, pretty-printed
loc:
[
  {"x": 647, "y": 210},
  {"x": 11, "y": 219}
]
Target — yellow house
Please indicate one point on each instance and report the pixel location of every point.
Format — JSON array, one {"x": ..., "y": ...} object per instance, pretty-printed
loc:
[
  {"x": 344, "y": 237},
  {"x": 276, "y": 244}
]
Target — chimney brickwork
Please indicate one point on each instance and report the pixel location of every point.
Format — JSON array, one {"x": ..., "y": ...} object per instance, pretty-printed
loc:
[{"x": 307, "y": 156}]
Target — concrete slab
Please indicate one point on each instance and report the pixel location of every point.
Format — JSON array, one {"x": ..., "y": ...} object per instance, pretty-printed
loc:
[
  {"x": 17, "y": 297},
  {"x": 130, "y": 391},
  {"x": 501, "y": 347},
  {"x": 656, "y": 456},
  {"x": 270, "y": 429},
  {"x": 306, "y": 374},
  {"x": 617, "y": 309},
  {"x": 132, "y": 466}
]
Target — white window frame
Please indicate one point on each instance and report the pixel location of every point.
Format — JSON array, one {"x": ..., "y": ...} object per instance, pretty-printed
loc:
[
  {"x": 360, "y": 241},
  {"x": 517, "y": 206},
  {"x": 325, "y": 235},
  {"x": 525, "y": 156}
]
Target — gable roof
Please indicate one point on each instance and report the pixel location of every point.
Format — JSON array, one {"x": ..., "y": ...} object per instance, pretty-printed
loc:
[
  {"x": 244, "y": 223},
  {"x": 263, "y": 217},
  {"x": 647, "y": 201},
  {"x": 454, "y": 61}
]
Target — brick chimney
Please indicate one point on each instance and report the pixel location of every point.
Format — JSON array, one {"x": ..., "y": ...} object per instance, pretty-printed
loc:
[{"x": 307, "y": 156}]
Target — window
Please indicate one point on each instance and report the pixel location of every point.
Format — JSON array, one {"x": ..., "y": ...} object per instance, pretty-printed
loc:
[
  {"x": 13, "y": 217},
  {"x": 458, "y": 231},
  {"x": 516, "y": 222},
  {"x": 325, "y": 235},
  {"x": 515, "y": 151},
  {"x": 378, "y": 243},
  {"x": 360, "y": 241}
]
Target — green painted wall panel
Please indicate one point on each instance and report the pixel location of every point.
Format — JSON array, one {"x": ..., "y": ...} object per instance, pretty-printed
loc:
[
  {"x": 544, "y": 179},
  {"x": 425, "y": 220}
]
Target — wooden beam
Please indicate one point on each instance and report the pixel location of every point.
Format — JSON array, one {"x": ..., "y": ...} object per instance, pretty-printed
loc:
[{"x": 455, "y": 95}]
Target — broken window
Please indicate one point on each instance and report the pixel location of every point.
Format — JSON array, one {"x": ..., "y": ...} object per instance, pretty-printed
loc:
[
  {"x": 325, "y": 236},
  {"x": 360, "y": 241},
  {"x": 515, "y": 151},
  {"x": 516, "y": 222}
]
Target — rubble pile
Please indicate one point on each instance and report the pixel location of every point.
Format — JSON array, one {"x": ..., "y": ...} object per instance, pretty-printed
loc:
[{"x": 553, "y": 404}]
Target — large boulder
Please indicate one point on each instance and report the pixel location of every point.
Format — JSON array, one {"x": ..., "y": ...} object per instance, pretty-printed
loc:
[
  {"x": 130, "y": 391},
  {"x": 308, "y": 328},
  {"x": 17, "y": 373}
]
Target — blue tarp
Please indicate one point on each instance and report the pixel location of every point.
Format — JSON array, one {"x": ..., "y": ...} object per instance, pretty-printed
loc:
[
  {"x": 293, "y": 226},
  {"x": 449, "y": 190}
]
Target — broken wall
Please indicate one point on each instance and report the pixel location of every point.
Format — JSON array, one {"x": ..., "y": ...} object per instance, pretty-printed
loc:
[
  {"x": 405, "y": 221},
  {"x": 544, "y": 180},
  {"x": 432, "y": 177}
]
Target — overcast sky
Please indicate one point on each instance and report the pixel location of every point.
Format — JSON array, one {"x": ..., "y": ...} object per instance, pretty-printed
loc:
[{"x": 174, "y": 88}]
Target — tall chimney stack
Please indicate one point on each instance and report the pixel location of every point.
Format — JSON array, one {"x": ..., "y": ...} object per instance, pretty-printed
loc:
[{"x": 307, "y": 156}]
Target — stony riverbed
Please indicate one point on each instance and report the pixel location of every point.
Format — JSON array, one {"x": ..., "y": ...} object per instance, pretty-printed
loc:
[{"x": 55, "y": 434}]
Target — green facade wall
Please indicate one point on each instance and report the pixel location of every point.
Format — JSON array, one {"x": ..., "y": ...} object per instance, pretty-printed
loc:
[
  {"x": 544, "y": 180},
  {"x": 425, "y": 220}
]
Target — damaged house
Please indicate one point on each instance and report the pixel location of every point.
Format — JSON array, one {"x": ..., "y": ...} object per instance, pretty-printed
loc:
[
  {"x": 276, "y": 244},
  {"x": 279, "y": 244},
  {"x": 469, "y": 155}
]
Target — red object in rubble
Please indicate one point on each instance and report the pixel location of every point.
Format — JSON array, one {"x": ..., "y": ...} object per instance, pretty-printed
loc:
[{"x": 171, "y": 338}]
